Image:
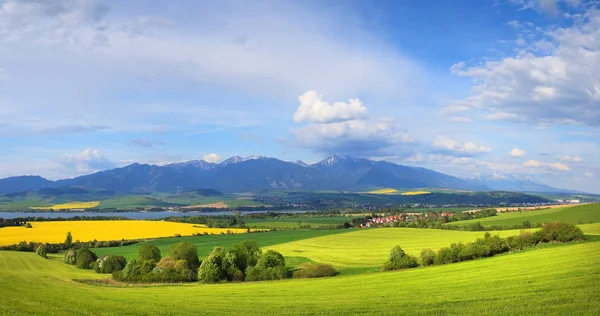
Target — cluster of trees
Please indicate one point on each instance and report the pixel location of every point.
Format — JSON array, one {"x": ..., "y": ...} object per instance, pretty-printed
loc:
[
  {"x": 242, "y": 262},
  {"x": 221, "y": 221},
  {"x": 478, "y": 227},
  {"x": 314, "y": 270},
  {"x": 181, "y": 265},
  {"x": 485, "y": 247}
]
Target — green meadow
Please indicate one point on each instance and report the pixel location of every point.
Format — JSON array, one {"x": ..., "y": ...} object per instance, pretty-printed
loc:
[
  {"x": 557, "y": 280},
  {"x": 580, "y": 214},
  {"x": 549, "y": 279}
]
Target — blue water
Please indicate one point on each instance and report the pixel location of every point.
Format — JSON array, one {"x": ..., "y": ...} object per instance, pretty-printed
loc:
[{"x": 131, "y": 215}]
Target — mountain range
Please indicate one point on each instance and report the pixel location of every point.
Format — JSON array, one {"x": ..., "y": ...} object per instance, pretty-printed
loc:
[{"x": 257, "y": 173}]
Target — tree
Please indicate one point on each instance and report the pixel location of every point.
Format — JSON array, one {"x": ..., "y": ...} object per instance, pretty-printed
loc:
[
  {"x": 186, "y": 251},
  {"x": 148, "y": 251},
  {"x": 84, "y": 258},
  {"x": 271, "y": 259},
  {"x": 41, "y": 251},
  {"x": 427, "y": 257},
  {"x": 70, "y": 257},
  {"x": 28, "y": 225},
  {"x": 247, "y": 254},
  {"x": 110, "y": 264},
  {"x": 398, "y": 259},
  {"x": 68, "y": 240}
]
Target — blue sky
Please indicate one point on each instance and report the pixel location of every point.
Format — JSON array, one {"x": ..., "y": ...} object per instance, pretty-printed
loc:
[{"x": 463, "y": 87}]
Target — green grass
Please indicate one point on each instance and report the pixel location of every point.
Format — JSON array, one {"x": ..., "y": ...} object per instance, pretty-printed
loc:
[
  {"x": 558, "y": 280},
  {"x": 371, "y": 247},
  {"x": 206, "y": 244},
  {"x": 575, "y": 215}
]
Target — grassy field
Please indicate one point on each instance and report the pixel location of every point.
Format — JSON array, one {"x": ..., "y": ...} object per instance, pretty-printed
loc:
[
  {"x": 557, "y": 280},
  {"x": 370, "y": 247},
  {"x": 206, "y": 244},
  {"x": 55, "y": 232},
  {"x": 573, "y": 214}
]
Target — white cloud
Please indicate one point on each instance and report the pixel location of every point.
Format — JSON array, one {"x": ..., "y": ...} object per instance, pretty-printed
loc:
[
  {"x": 212, "y": 157},
  {"x": 588, "y": 174},
  {"x": 556, "y": 166},
  {"x": 516, "y": 152},
  {"x": 447, "y": 144},
  {"x": 358, "y": 137},
  {"x": 313, "y": 109},
  {"x": 460, "y": 119},
  {"x": 555, "y": 78},
  {"x": 87, "y": 161},
  {"x": 572, "y": 159}
]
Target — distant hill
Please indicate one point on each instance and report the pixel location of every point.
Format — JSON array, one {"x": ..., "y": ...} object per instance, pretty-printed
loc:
[
  {"x": 502, "y": 182},
  {"x": 258, "y": 173},
  {"x": 24, "y": 183}
]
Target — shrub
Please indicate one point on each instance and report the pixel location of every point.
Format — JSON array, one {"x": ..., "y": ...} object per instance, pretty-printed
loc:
[
  {"x": 41, "y": 251},
  {"x": 180, "y": 265},
  {"x": 522, "y": 241},
  {"x": 427, "y": 257},
  {"x": 398, "y": 259},
  {"x": 84, "y": 258},
  {"x": 271, "y": 259},
  {"x": 258, "y": 273},
  {"x": 110, "y": 264},
  {"x": 560, "y": 231},
  {"x": 444, "y": 256},
  {"x": 314, "y": 270},
  {"x": 166, "y": 263},
  {"x": 69, "y": 257},
  {"x": 148, "y": 251},
  {"x": 186, "y": 251},
  {"x": 28, "y": 225}
]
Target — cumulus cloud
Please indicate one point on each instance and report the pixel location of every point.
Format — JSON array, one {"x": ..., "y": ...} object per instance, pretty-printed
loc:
[
  {"x": 343, "y": 128},
  {"x": 87, "y": 161},
  {"x": 572, "y": 159},
  {"x": 588, "y": 174},
  {"x": 313, "y": 109},
  {"x": 358, "y": 137},
  {"x": 516, "y": 152},
  {"x": 556, "y": 166},
  {"x": 446, "y": 144},
  {"x": 212, "y": 157},
  {"x": 554, "y": 78}
]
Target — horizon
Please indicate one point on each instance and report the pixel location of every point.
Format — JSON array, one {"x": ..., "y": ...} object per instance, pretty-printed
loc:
[{"x": 461, "y": 88}]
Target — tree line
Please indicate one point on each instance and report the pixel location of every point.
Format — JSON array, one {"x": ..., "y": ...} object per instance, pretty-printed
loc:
[{"x": 484, "y": 247}]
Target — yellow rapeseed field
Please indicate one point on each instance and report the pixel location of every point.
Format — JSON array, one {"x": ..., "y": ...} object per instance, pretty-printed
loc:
[
  {"x": 69, "y": 206},
  {"x": 384, "y": 191},
  {"x": 55, "y": 232},
  {"x": 415, "y": 193}
]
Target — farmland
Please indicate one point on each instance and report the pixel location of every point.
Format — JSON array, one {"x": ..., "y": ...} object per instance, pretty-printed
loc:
[
  {"x": 415, "y": 192},
  {"x": 55, "y": 232},
  {"x": 522, "y": 283},
  {"x": 206, "y": 244},
  {"x": 69, "y": 205},
  {"x": 573, "y": 214}
]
